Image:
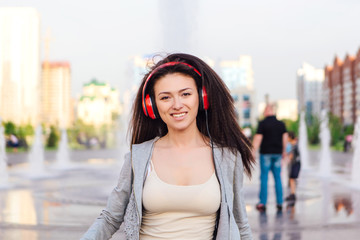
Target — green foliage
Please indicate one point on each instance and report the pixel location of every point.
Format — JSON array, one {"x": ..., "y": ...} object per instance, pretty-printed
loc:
[
  {"x": 348, "y": 130},
  {"x": 292, "y": 126},
  {"x": 24, "y": 131},
  {"x": 80, "y": 134},
  {"x": 313, "y": 129},
  {"x": 53, "y": 138},
  {"x": 336, "y": 129},
  {"x": 10, "y": 128},
  {"x": 339, "y": 146}
]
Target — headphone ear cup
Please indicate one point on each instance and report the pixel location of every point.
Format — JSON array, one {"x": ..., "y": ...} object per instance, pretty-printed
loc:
[
  {"x": 204, "y": 103},
  {"x": 155, "y": 110},
  {"x": 150, "y": 104},
  {"x": 201, "y": 100}
]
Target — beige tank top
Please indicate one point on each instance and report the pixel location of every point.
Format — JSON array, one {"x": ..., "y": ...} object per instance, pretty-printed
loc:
[{"x": 179, "y": 212}]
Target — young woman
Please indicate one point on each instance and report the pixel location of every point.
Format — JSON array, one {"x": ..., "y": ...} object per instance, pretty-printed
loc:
[{"x": 183, "y": 177}]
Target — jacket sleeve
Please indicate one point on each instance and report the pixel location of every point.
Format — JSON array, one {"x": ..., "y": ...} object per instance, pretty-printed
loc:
[
  {"x": 239, "y": 209},
  {"x": 112, "y": 216}
]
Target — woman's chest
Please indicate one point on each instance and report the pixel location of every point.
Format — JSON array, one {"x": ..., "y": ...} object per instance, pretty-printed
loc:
[{"x": 183, "y": 167}]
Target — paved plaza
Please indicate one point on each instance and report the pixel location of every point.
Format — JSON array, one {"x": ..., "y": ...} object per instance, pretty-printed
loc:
[{"x": 61, "y": 204}]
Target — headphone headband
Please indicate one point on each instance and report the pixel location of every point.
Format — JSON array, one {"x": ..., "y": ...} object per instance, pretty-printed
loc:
[{"x": 144, "y": 104}]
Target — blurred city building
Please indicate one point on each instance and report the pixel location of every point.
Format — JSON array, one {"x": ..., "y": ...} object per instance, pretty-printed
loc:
[
  {"x": 238, "y": 75},
  {"x": 285, "y": 109},
  {"x": 140, "y": 66},
  {"x": 349, "y": 108},
  {"x": 99, "y": 104},
  {"x": 357, "y": 84},
  {"x": 309, "y": 89},
  {"x": 20, "y": 65},
  {"x": 327, "y": 93},
  {"x": 57, "y": 108},
  {"x": 342, "y": 88}
]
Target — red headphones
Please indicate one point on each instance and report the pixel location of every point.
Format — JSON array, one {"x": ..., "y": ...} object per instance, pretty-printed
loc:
[{"x": 148, "y": 102}]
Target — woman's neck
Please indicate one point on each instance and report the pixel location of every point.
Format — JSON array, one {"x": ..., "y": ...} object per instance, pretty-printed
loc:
[{"x": 183, "y": 139}]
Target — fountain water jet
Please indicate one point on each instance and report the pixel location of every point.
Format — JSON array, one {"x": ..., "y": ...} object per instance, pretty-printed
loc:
[
  {"x": 303, "y": 143},
  {"x": 36, "y": 156},
  {"x": 355, "y": 174},
  {"x": 4, "y": 176},
  {"x": 325, "y": 157},
  {"x": 122, "y": 143},
  {"x": 63, "y": 155}
]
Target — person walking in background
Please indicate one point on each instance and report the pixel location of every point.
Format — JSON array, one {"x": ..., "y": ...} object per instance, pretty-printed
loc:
[
  {"x": 271, "y": 138},
  {"x": 247, "y": 133},
  {"x": 14, "y": 142},
  {"x": 294, "y": 166}
]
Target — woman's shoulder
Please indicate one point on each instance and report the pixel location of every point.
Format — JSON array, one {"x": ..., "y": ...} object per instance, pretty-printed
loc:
[
  {"x": 147, "y": 143},
  {"x": 227, "y": 153}
]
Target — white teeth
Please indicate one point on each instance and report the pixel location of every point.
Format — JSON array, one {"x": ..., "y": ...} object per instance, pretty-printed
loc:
[{"x": 179, "y": 115}]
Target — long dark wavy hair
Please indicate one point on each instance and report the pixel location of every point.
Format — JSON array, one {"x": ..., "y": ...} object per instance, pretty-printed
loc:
[{"x": 223, "y": 127}]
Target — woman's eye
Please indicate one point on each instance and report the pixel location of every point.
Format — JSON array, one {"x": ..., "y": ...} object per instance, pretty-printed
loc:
[
  {"x": 186, "y": 94},
  {"x": 164, "y": 98}
]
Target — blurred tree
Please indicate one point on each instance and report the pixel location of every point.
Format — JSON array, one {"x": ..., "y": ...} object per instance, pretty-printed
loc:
[
  {"x": 292, "y": 126},
  {"x": 336, "y": 129},
  {"x": 348, "y": 129},
  {"x": 53, "y": 138},
  {"x": 313, "y": 129},
  {"x": 10, "y": 128},
  {"x": 81, "y": 133},
  {"x": 28, "y": 130},
  {"x": 23, "y": 132}
]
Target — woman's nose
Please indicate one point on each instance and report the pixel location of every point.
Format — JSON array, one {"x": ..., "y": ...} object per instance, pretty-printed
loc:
[{"x": 177, "y": 103}]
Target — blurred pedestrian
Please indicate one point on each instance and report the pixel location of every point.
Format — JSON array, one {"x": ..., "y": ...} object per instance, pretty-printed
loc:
[
  {"x": 294, "y": 166},
  {"x": 247, "y": 132},
  {"x": 271, "y": 138},
  {"x": 183, "y": 177},
  {"x": 348, "y": 143},
  {"x": 14, "y": 142}
]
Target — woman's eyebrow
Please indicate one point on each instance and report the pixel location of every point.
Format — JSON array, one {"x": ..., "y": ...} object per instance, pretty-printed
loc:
[{"x": 181, "y": 90}]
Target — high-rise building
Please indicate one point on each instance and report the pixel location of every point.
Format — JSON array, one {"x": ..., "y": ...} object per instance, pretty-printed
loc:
[
  {"x": 19, "y": 65},
  {"x": 56, "y": 106},
  {"x": 284, "y": 109},
  {"x": 310, "y": 82},
  {"x": 342, "y": 88},
  {"x": 238, "y": 73},
  {"x": 348, "y": 90},
  {"x": 357, "y": 84},
  {"x": 327, "y": 93},
  {"x": 139, "y": 68},
  {"x": 245, "y": 106},
  {"x": 337, "y": 88},
  {"x": 99, "y": 104},
  {"x": 239, "y": 77}
]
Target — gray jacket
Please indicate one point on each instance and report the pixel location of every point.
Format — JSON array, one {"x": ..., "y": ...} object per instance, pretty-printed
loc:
[{"x": 125, "y": 201}]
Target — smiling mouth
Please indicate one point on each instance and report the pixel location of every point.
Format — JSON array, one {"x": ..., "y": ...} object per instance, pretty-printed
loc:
[{"x": 178, "y": 115}]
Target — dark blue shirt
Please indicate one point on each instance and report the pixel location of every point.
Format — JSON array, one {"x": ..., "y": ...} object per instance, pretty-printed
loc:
[{"x": 272, "y": 131}]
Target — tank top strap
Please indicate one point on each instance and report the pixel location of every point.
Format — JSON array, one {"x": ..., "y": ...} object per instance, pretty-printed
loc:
[{"x": 150, "y": 168}]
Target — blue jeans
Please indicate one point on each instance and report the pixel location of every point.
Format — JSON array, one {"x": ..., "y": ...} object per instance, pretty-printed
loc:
[{"x": 270, "y": 162}]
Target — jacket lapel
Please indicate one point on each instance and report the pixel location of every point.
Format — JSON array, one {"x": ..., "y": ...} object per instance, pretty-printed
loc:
[
  {"x": 219, "y": 172},
  {"x": 141, "y": 155}
]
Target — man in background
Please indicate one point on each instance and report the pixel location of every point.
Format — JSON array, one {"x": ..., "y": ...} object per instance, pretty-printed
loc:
[{"x": 271, "y": 138}]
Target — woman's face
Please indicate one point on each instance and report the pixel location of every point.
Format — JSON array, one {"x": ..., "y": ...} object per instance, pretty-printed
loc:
[{"x": 177, "y": 101}]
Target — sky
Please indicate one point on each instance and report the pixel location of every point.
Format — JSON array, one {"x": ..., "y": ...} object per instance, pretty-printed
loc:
[{"x": 99, "y": 38}]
